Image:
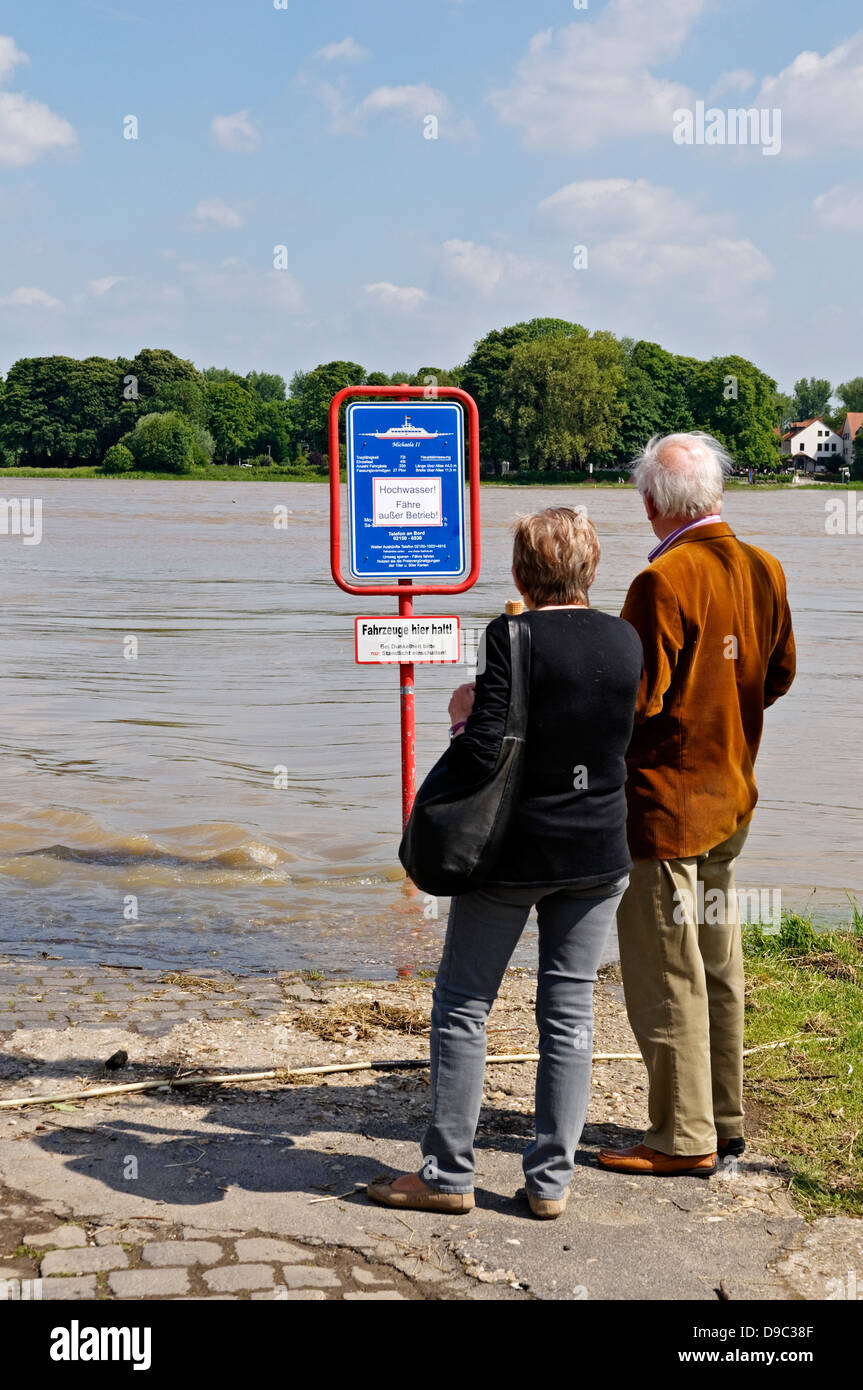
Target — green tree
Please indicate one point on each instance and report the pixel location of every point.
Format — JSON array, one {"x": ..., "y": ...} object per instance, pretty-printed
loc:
[
  {"x": 60, "y": 412},
  {"x": 118, "y": 459},
  {"x": 267, "y": 385},
  {"x": 734, "y": 401},
  {"x": 857, "y": 467},
  {"x": 654, "y": 398},
  {"x": 158, "y": 377},
  {"x": 183, "y": 396},
  {"x": 271, "y": 432},
  {"x": 203, "y": 446},
  {"x": 850, "y": 393},
  {"x": 312, "y": 392},
  {"x": 783, "y": 410},
  {"x": 811, "y": 397},
  {"x": 231, "y": 418},
  {"x": 485, "y": 372},
  {"x": 162, "y": 443},
  {"x": 431, "y": 377},
  {"x": 561, "y": 399},
  {"x": 640, "y": 414},
  {"x": 670, "y": 376},
  {"x": 220, "y": 374}
]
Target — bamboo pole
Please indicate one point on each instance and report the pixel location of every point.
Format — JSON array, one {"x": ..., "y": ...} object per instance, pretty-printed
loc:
[
  {"x": 284, "y": 1074},
  {"x": 288, "y": 1074},
  {"x": 798, "y": 1037}
]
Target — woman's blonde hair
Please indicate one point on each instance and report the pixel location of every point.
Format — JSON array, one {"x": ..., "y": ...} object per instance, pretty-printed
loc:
[{"x": 555, "y": 554}]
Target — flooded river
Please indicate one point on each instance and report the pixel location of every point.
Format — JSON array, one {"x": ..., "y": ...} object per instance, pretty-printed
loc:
[{"x": 167, "y": 649}]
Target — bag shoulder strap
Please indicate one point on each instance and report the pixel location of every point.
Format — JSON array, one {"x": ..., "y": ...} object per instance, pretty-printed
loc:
[{"x": 519, "y": 690}]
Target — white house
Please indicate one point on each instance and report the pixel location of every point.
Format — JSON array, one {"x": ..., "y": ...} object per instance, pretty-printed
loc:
[{"x": 813, "y": 446}]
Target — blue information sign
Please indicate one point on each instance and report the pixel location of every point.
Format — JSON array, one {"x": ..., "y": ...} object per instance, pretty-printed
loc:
[{"x": 405, "y": 465}]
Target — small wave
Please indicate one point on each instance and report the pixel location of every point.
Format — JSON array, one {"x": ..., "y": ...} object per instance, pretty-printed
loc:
[{"x": 249, "y": 856}]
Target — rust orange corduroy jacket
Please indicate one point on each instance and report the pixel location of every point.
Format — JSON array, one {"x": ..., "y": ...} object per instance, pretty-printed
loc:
[{"x": 715, "y": 625}]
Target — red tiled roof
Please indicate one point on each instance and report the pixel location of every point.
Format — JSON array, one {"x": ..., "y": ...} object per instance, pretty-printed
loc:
[{"x": 854, "y": 420}]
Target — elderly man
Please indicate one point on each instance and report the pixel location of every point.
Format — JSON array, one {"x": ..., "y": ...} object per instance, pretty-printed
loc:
[{"x": 715, "y": 626}]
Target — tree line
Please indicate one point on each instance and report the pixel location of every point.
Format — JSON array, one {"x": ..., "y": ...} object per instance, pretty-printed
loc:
[{"x": 552, "y": 396}]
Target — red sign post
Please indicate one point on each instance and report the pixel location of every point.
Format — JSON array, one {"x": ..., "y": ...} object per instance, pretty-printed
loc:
[{"x": 405, "y": 590}]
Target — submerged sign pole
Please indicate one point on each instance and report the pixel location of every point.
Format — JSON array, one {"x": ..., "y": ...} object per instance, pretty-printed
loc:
[{"x": 405, "y": 468}]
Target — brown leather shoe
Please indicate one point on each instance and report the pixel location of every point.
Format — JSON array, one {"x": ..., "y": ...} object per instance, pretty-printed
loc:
[{"x": 639, "y": 1158}]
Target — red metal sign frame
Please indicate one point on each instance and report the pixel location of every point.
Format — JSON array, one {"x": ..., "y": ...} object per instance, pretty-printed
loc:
[
  {"x": 405, "y": 588},
  {"x": 406, "y": 591}
]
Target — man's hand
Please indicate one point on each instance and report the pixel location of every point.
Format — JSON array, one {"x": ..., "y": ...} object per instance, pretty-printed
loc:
[{"x": 461, "y": 702}]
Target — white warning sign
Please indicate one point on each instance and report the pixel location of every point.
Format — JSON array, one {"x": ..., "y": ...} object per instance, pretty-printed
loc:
[
  {"x": 395, "y": 641},
  {"x": 407, "y": 502}
]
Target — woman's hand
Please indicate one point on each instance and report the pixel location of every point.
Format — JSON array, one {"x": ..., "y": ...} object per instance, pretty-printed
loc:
[{"x": 461, "y": 702}]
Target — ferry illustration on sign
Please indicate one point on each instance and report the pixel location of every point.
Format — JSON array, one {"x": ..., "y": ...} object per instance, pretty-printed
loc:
[{"x": 399, "y": 433}]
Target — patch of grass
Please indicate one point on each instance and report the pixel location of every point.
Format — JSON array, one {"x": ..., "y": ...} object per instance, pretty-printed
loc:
[
  {"x": 48, "y": 473},
  {"x": 196, "y": 984},
  {"x": 805, "y": 988},
  {"x": 313, "y": 974},
  {"x": 27, "y": 1252},
  {"x": 356, "y": 1022},
  {"x": 215, "y": 472}
]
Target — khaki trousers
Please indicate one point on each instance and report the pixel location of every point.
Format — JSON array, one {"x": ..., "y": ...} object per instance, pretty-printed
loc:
[{"x": 681, "y": 958}]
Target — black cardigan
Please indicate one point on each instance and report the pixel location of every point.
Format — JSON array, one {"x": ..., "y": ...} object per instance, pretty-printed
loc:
[{"x": 570, "y": 823}]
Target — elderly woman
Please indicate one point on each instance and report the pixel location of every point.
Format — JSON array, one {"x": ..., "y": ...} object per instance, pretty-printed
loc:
[{"x": 565, "y": 854}]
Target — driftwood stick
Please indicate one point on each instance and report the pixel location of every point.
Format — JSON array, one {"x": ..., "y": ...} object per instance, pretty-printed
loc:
[
  {"x": 167, "y": 1083},
  {"x": 798, "y": 1037}
]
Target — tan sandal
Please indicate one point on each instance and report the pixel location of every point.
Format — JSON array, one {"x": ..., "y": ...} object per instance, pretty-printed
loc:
[{"x": 381, "y": 1190}]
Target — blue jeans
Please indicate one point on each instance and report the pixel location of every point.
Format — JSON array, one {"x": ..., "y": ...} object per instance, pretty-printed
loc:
[{"x": 482, "y": 933}]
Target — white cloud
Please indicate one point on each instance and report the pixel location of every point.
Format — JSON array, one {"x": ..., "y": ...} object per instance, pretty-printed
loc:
[
  {"x": 821, "y": 100},
  {"x": 237, "y": 285},
  {"x": 25, "y": 297},
  {"x": 391, "y": 296},
  {"x": 482, "y": 269},
  {"x": 642, "y": 234},
  {"x": 10, "y": 56},
  {"x": 237, "y": 133},
  {"x": 737, "y": 80},
  {"x": 607, "y": 207},
  {"x": 219, "y": 212},
  {"x": 840, "y": 209},
  {"x": 593, "y": 80},
  {"x": 346, "y": 51},
  {"x": 28, "y": 129},
  {"x": 413, "y": 101},
  {"x": 104, "y": 284},
  {"x": 719, "y": 268},
  {"x": 409, "y": 102}
]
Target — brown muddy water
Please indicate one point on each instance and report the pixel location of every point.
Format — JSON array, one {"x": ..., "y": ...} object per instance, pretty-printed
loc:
[{"x": 139, "y": 820}]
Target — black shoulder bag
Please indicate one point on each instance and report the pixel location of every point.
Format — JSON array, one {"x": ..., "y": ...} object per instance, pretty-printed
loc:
[{"x": 455, "y": 833}]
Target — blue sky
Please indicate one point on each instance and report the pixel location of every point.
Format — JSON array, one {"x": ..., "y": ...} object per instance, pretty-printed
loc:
[{"x": 304, "y": 127}]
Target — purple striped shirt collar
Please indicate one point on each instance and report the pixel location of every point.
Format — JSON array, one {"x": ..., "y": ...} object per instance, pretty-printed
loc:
[{"x": 690, "y": 526}]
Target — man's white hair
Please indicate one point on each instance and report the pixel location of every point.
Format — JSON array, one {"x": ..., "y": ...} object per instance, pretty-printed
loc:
[{"x": 684, "y": 474}]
